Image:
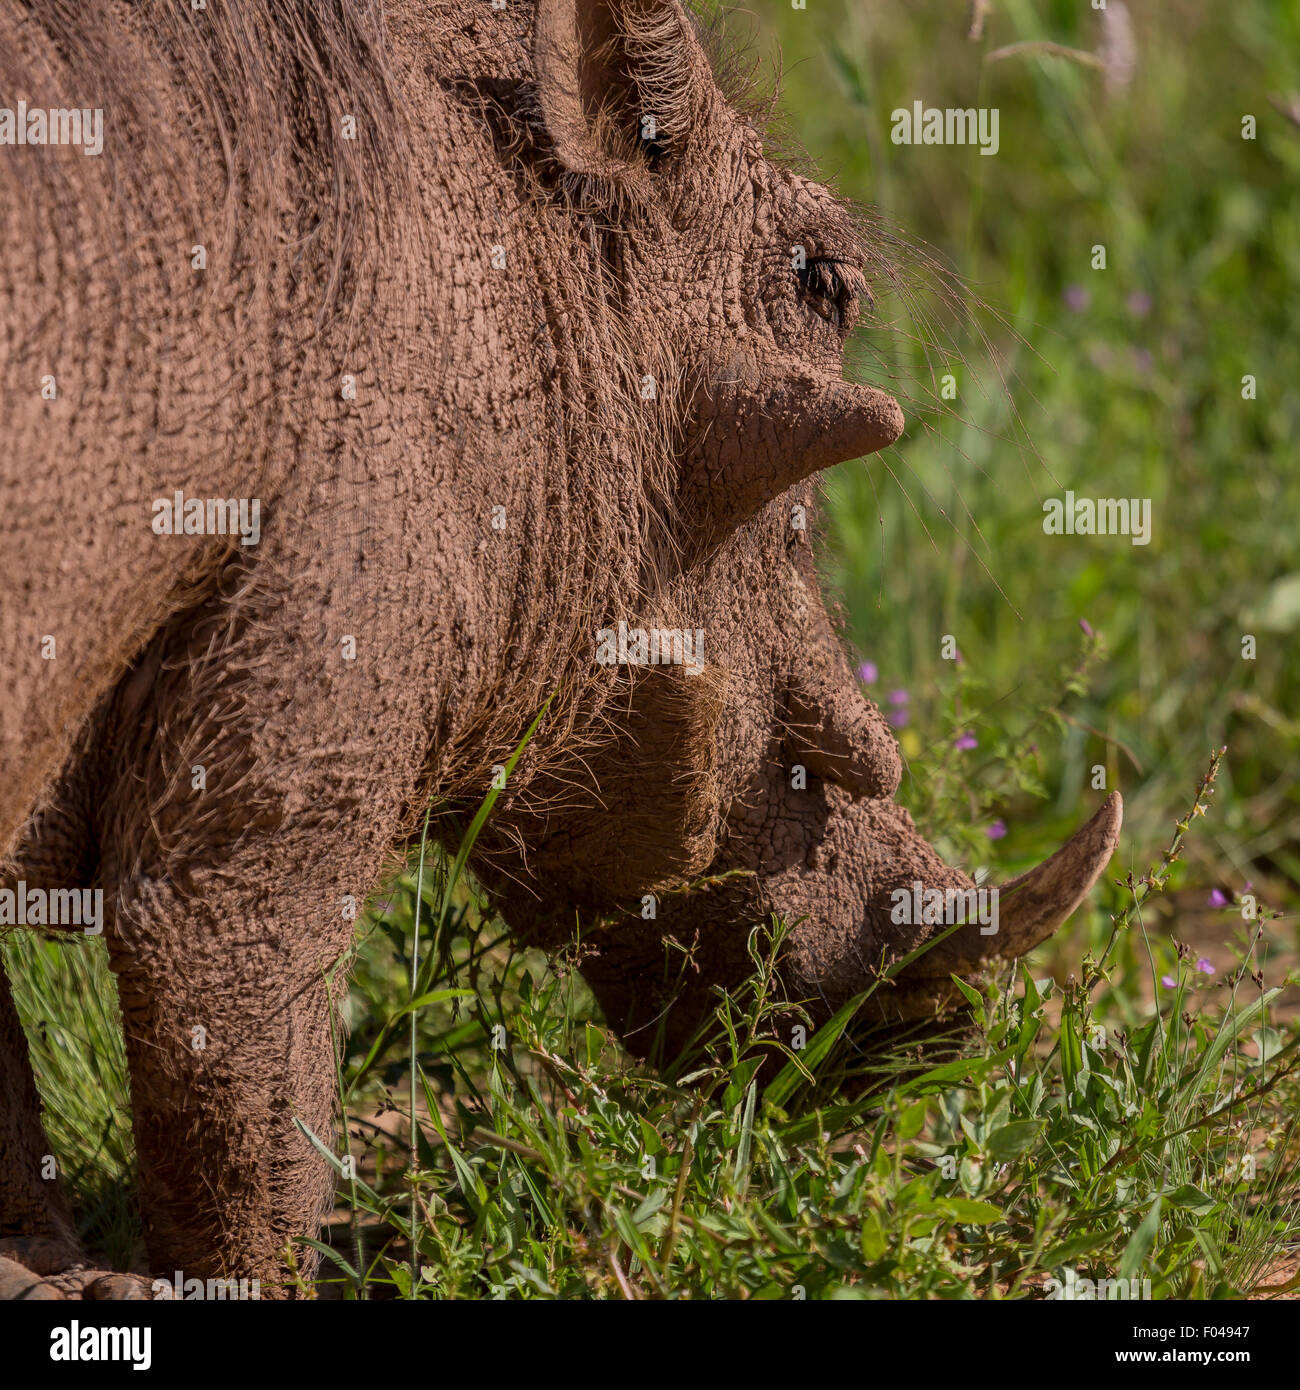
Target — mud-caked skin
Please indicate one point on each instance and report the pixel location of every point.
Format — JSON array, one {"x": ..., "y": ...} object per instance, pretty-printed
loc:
[{"x": 514, "y": 334}]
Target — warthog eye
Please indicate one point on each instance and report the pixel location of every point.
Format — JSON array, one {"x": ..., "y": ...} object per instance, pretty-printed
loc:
[{"x": 826, "y": 286}]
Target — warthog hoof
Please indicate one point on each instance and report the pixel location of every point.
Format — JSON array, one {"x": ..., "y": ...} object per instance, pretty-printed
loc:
[{"x": 40, "y": 1268}]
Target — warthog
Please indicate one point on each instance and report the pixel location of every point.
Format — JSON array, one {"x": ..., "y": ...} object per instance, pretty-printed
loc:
[{"x": 510, "y": 336}]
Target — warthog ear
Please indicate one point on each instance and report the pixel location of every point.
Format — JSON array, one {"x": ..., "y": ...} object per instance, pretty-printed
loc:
[{"x": 618, "y": 81}]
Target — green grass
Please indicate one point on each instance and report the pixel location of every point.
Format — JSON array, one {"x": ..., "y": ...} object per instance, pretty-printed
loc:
[
  {"x": 1054, "y": 1138},
  {"x": 67, "y": 999}
]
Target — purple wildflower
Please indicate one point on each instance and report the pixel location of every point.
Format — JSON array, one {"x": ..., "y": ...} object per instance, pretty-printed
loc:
[
  {"x": 966, "y": 741},
  {"x": 1076, "y": 298},
  {"x": 867, "y": 673},
  {"x": 997, "y": 830},
  {"x": 1204, "y": 965},
  {"x": 1217, "y": 898}
]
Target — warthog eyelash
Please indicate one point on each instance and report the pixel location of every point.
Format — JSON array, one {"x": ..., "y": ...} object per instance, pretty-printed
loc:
[{"x": 826, "y": 288}]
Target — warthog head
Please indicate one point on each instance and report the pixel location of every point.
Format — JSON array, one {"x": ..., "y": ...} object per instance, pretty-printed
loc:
[{"x": 755, "y": 763}]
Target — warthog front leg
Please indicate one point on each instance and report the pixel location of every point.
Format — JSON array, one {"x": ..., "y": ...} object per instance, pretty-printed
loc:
[
  {"x": 220, "y": 1070},
  {"x": 250, "y": 816}
]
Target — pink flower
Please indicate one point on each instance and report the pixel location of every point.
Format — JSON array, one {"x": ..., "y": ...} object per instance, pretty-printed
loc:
[
  {"x": 867, "y": 673},
  {"x": 1086, "y": 626},
  {"x": 1217, "y": 899},
  {"x": 898, "y": 717},
  {"x": 965, "y": 741},
  {"x": 898, "y": 697},
  {"x": 997, "y": 830},
  {"x": 1203, "y": 965},
  {"x": 1169, "y": 982},
  {"x": 1076, "y": 298}
]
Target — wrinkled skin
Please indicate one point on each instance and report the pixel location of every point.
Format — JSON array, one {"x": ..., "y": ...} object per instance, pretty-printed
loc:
[{"x": 440, "y": 547}]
